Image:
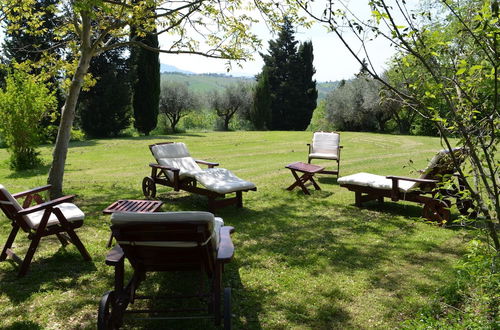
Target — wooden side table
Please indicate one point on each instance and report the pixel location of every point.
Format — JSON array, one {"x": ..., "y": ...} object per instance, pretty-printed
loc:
[
  {"x": 308, "y": 171},
  {"x": 132, "y": 205}
]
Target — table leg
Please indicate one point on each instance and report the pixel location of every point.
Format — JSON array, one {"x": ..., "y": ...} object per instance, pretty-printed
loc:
[{"x": 299, "y": 181}]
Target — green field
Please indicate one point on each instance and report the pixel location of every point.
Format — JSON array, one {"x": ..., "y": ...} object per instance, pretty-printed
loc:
[
  {"x": 301, "y": 262},
  {"x": 204, "y": 83}
]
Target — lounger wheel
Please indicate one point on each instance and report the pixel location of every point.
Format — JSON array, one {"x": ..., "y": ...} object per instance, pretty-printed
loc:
[
  {"x": 438, "y": 211},
  {"x": 104, "y": 316},
  {"x": 149, "y": 187},
  {"x": 227, "y": 308}
]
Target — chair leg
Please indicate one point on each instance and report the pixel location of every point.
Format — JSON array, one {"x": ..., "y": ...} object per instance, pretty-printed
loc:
[
  {"x": 79, "y": 245},
  {"x": 29, "y": 255},
  {"x": 62, "y": 239},
  {"x": 239, "y": 199},
  {"x": 217, "y": 292},
  {"x": 10, "y": 241}
]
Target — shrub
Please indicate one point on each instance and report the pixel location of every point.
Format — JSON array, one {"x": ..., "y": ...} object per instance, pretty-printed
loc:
[{"x": 24, "y": 101}]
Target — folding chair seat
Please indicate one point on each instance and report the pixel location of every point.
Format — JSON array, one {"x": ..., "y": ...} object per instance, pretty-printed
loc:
[{"x": 56, "y": 217}]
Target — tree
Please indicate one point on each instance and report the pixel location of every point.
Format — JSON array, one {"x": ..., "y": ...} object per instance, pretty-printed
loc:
[
  {"x": 23, "y": 102},
  {"x": 236, "y": 98},
  {"x": 91, "y": 27},
  {"x": 450, "y": 54},
  {"x": 177, "y": 101},
  {"x": 146, "y": 84},
  {"x": 291, "y": 89},
  {"x": 310, "y": 96},
  {"x": 105, "y": 109},
  {"x": 21, "y": 45},
  {"x": 260, "y": 115}
]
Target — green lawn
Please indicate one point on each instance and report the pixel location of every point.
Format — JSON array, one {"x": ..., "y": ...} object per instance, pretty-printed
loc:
[{"x": 301, "y": 262}]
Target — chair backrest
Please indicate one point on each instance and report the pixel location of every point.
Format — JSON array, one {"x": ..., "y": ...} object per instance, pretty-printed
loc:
[
  {"x": 167, "y": 240},
  {"x": 10, "y": 206},
  {"x": 441, "y": 165},
  {"x": 174, "y": 154},
  {"x": 326, "y": 142}
]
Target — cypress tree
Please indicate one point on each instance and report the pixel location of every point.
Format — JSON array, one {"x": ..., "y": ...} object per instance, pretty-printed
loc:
[
  {"x": 309, "y": 95},
  {"x": 146, "y": 84},
  {"x": 292, "y": 91},
  {"x": 260, "y": 116},
  {"x": 105, "y": 109}
]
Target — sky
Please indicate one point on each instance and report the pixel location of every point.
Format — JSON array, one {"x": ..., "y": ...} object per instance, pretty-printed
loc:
[{"x": 331, "y": 59}]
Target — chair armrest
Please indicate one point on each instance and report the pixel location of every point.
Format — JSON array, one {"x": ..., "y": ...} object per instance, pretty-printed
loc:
[
  {"x": 115, "y": 256},
  {"x": 163, "y": 167},
  {"x": 226, "y": 247},
  {"x": 31, "y": 191},
  {"x": 204, "y": 162},
  {"x": 45, "y": 205},
  {"x": 394, "y": 177}
]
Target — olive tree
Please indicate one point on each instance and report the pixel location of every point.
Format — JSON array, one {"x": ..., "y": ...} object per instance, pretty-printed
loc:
[
  {"x": 234, "y": 99},
  {"x": 177, "y": 101}
]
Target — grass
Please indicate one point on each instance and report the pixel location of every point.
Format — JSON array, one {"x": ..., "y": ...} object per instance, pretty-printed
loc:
[{"x": 302, "y": 262}]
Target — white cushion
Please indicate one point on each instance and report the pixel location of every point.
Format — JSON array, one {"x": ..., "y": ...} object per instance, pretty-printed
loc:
[
  {"x": 71, "y": 213},
  {"x": 170, "y": 150},
  {"x": 325, "y": 143},
  {"x": 214, "y": 223},
  {"x": 187, "y": 166},
  {"x": 375, "y": 181},
  {"x": 319, "y": 155},
  {"x": 222, "y": 181}
]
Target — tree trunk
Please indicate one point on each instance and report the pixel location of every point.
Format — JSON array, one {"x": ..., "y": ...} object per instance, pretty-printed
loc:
[{"x": 60, "y": 151}]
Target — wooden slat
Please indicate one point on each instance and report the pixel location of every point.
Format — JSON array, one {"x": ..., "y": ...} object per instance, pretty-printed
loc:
[{"x": 130, "y": 205}]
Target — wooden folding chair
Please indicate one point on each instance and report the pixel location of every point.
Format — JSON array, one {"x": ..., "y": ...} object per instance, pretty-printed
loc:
[
  {"x": 325, "y": 145},
  {"x": 55, "y": 217}
]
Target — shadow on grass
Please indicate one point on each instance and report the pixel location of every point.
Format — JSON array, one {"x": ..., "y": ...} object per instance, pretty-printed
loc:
[
  {"x": 22, "y": 325},
  {"x": 40, "y": 170},
  {"x": 57, "y": 272}
]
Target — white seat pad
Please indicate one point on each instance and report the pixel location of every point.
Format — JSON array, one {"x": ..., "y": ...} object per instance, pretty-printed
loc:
[
  {"x": 222, "y": 181},
  {"x": 215, "y": 223},
  {"x": 320, "y": 155},
  {"x": 70, "y": 211},
  {"x": 374, "y": 181},
  {"x": 187, "y": 166}
]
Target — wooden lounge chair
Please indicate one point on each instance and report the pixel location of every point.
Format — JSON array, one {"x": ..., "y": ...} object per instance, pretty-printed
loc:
[
  {"x": 177, "y": 169},
  {"x": 423, "y": 190},
  {"x": 55, "y": 217},
  {"x": 325, "y": 145},
  {"x": 164, "y": 242}
]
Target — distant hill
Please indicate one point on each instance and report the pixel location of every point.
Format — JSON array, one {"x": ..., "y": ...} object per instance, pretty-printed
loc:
[
  {"x": 206, "y": 82},
  {"x": 170, "y": 68}
]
